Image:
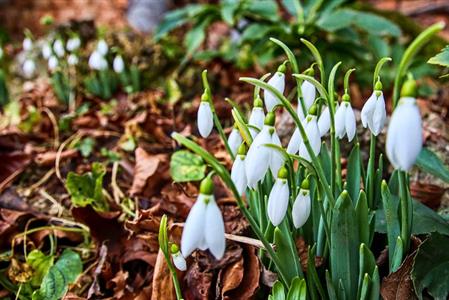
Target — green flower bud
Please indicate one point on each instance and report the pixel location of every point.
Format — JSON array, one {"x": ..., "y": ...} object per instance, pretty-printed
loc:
[
  {"x": 207, "y": 186},
  {"x": 270, "y": 119},
  {"x": 346, "y": 97},
  {"x": 258, "y": 102},
  {"x": 205, "y": 97},
  {"x": 409, "y": 88},
  {"x": 313, "y": 110},
  {"x": 242, "y": 149},
  {"x": 283, "y": 173},
  {"x": 305, "y": 185},
  {"x": 282, "y": 68},
  {"x": 174, "y": 249}
]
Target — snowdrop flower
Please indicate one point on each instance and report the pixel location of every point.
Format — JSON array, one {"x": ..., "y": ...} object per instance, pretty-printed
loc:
[
  {"x": 73, "y": 44},
  {"x": 102, "y": 47},
  {"x": 256, "y": 118},
  {"x": 310, "y": 125},
  {"x": 59, "y": 49},
  {"x": 308, "y": 96},
  {"x": 234, "y": 140},
  {"x": 277, "y": 82},
  {"x": 97, "y": 61},
  {"x": 72, "y": 59},
  {"x": 404, "y": 136},
  {"x": 301, "y": 206},
  {"x": 345, "y": 119},
  {"x": 205, "y": 117},
  {"x": 204, "y": 227},
  {"x": 28, "y": 68},
  {"x": 324, "y": 121},
  {"x": 52, "y": 63},
  {"x": 259, "y": 157},
  {"x": 278, "y": 199},
  {"x": 118, "y": 64},
  {"x": 238, "y": 173},
  {"x": 373, "y": 112},
  {"x": 27, "y": 44},
  {"x": 46, "y": 51},
  {"x": 178, "y": 260}
]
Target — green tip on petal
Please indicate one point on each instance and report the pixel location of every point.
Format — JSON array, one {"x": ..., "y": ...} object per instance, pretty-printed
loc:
[
  {"x": 378, "y": 86},
  {"x": 305, "y": 184},
  {"x": 174, "y": 249},
  {"x": 409, "y": 88},
  {"x": 258, "y": 102},
  {"x": 242, "y": 149},
  {"x": 207, "y": 186},
  {"x": 313, "y": 110},
  {"x": 283, "y": 173},
  {"x": 270, "y": 119},
  {"x": 346, "y": 97}
]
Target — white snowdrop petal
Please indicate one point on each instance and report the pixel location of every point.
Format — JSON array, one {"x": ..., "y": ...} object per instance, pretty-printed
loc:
[
  {"x": 301, "y": 209},
  {"x": 97, "y": 61},
  {"x": 238, "y": 174},
  {"x": 313, "y": 133},
  {"x": 234, "y": 140},
  {"x": 300, "y": 111},
  {"x": 193, "y": 233},
  {"x": 73, "y": 44},
  {"x": 27, "y": 44},
  {"x": 52, "y": 63},
  {"x": 350, "y": 123},
  {"x": 214, "y": 230},
  {"x": 278, "y": 201},
  {"x": 205, "y": 119},
  {"x": 324, "y": 122},
  {"x": 379, "y": 116},
  {"x": 368, "y": 110},
  {"x": 46, "y": 51},
  {"x": 278, "y": 82},
  {"x": 72, "y": 60},
  {"x": 58, "y": 48},
  {"x": 276, "y": 158},
  {"x": 102, "y": 47},
  {"x": 179, "y": 261},
  {"x": 295, "y": 142},
  {"x": 308, "y": 93},
  {"x": 340, "y": 127},
  {"x": 258, "y": 158},
  {"x": 118, "y": 64},
  {"x": 29, "y": 67}
]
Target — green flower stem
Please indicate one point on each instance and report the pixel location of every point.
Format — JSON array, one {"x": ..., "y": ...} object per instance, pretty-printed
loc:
[
  {"x": 291, "y": 111},
  {"x": 406, "y": 210},
  {"x": 316, "y": 54},
  {"x": 379, "y": 65},
  {"x": 214, "y": 113},
  {"x": 409, "y": 54},
  {"x": 295, "y": 69},
  {"x": 371, "y": 172},
  {"x": 226, "y": 177}
]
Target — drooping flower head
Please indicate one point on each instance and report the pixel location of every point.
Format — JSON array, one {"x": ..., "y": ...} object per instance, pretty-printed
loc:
[
  {"x": 205, "y": 116},
  {"x": 29, "y": 68},
  {"x": 260, "y": 158},
  {"x": 404, "y": 135},
  {"x": 277, "y": 81},
  {"x": 73, "y": 43},
  {"x": 256, "y": 119},
  {"x": 301, "y": 206},
  {"x": 46, "y": 51},
  {"x": 97, "y": 61},
  {"x": 27, "y": 44},
  {"x": 118, "y": 64},
  {"x": 102, "y": 47},
  {"x": 238, "y": 172},
  {"x": 53, "y": 63},
  {"x": 373, "y": 112},
  {"x": 204, "y": 227},
  {"x": 178, "y": 259},
  {"x": 345, "y": 119},
  {"x": 234, "y": 139},
  {"x": 72, "y": 59},
  {"x": 308, "y": 92},
  {"x": 58, "y": 48},
  {"x": 278, "y": 199}
]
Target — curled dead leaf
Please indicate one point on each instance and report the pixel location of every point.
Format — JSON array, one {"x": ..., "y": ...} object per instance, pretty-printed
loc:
[
  {"x": 163, "y": 288},
  {"x": 399, "y": 285}
]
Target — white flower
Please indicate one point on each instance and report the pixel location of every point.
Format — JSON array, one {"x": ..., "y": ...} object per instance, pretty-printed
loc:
[
  {"x": 52, "y": 63},
  {"x": 234, "y": 140},
  {"x": 27, "y": 44},
  {"x": 205, "y": 119},
  {"x": 179, "y": 261},
  {"x": 58, "y": 47},
  {"x": 118, "y": 64},
  {"x": 73, "y": 44},
  {"x": 404, "y": 136},
  {"x": 313, "y": 134},
  {"x": 278, "y": 201},
  {"x": 204, "y": 228},
  {"x": 278, "y": 82},
  {"x": 308, "y": 93},
  {"x": 97, "y": 61},
  {"x": 324, "y": 121},
  {"x": 345, "y": 121},
  {"x": 374, "y": 113},
  {"x": 102, "y": 47},
  {"x": 46, "y": 51},
  {"x": 238, "y": 174},
  {"x": 259, "y": 157},
  {"x": 28, "y": 68},
  {"x": 256, "y": 119},
  {"x": 301, "y": 208},
  {"x": 295, "y": 142},
  {"x": 72, "y": 59}
]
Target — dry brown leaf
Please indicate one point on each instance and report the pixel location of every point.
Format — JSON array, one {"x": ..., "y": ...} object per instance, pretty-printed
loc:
[
  {"x": 399, "y": 285},
  {"x": 13, "y": 163},
  {"x": 163, "y": 288},
  {"x": 231, "y": 277},
  {"x": 49, "y": 158}
]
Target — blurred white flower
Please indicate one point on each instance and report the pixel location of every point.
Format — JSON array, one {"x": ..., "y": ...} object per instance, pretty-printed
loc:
[
  {"x": 46, "y": 51},
  {"x": 29, "y": 68},
  {"x": 72, "y": 60},
  {"x": 53, "y": 63},
  {"x": 73, "y": 44},
  {"x": 102, "y": 47},
  {"x": 27, "y": 44},
  {"x": 118, "y": 64},
  {"x": 58, "y": 48},
  {"x": 97, "y": 61}
]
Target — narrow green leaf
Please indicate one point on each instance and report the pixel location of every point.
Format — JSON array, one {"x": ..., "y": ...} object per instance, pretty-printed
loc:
[
  {"x": 330, "y": 286},
  {"x": 354, "y": 173},
  {"x": 289, "y": 262},
  {"x": 429, "y": 162},
  {"x": 278, "y": 291},
  {"x": 367, "y": 266},
  {"x": 298, "y": 290},
  {"x": 375, "y": 285},
  {"x": 398, "y": 254},
  {"x": 362, "y": 212},
  {"x": 390, "y": 204},
  {"x": 365, "y": 287}
]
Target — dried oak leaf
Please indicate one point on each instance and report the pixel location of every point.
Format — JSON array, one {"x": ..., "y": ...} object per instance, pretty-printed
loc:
[
  {"x": 303, "y": 249},
  {"x": 399, "y": 285},
  {"x": 13, "y": 163},
  {"x": 163, "y": 288},
  {"x": 230, "y": 278}
]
